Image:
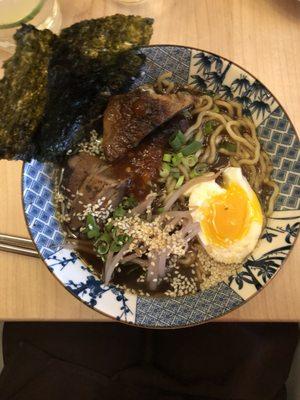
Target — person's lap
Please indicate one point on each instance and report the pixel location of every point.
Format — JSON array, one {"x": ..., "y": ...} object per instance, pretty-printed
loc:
[{"x": 105, "y": 361}]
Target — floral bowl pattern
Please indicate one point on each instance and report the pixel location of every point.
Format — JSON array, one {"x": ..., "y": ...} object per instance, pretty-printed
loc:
[{"x": 213, "y": 73}]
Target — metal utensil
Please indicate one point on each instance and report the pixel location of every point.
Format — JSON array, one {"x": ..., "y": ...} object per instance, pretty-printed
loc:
[{"x": 18, "y": 245}]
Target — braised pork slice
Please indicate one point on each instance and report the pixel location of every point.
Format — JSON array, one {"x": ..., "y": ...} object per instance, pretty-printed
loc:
[
  {"x": 95, "y": 186},
  {"x": 130, "y": 117},
  {"x": 77, "y": 169},
  {"x": 141, "y": 165},
  {"x": 90, "y": 184}
]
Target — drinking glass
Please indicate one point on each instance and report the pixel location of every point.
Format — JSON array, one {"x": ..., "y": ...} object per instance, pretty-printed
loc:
[{"x": 44, "y": 14}]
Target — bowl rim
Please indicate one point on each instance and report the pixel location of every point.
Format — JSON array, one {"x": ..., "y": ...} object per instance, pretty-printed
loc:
[{"x": 212, "y": 319}]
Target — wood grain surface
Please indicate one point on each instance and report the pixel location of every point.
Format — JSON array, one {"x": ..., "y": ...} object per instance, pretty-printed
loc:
[{"x": 262, "y": 36}]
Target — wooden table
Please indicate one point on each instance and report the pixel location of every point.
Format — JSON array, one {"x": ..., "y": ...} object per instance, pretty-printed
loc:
[{"x": 261, "y": 35}]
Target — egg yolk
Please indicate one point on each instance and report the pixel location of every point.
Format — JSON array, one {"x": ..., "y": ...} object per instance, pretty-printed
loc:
[{"x": 228, "y": 216}]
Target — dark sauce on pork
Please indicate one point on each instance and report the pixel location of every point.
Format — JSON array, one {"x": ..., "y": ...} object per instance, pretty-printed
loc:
[{"x": 140, "y": 167}]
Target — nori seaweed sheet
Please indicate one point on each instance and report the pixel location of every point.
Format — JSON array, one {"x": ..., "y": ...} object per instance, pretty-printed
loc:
[
  {"x": 91, "y": 59},
  {"x": 54, "y": 88},
  {"x": 23, "y": 91}
]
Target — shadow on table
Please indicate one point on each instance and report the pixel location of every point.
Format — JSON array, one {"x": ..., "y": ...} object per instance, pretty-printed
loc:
[
  {"x": 112, "y": 361},
  {"x": 290, "y": 8}
]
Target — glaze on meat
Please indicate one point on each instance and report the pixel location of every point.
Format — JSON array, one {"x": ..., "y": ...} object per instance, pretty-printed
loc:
[{"x": 130, "y": 117}]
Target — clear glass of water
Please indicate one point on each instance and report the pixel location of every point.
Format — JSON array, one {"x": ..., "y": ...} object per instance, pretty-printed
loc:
[{"x": 44, "y": 14}]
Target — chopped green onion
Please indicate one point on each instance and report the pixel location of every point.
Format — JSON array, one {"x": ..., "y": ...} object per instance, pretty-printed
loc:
[
  {"x": 192, "y": 174},
  {"x": 190, "y": 161},
  {"x": 92, "y": 234},
  {"x": 92, "y": 229},
  {"x": 176, "y": 173},
  {"x": 129, "y": 202},
  {"x": 165, "y": 170},
  {"x": 198, "y": 170},
  {"x": 105, "y": 237},
  {"x": 167, "y": 157},
  {"x": 109, "y": 226},
  {"x": 114, "y": 233},
  {"x": 177, "y": 140},
  {"x": 228, "y": 146},
  {"x": 160, "y": 210},
  {"x": 179, "y": 182},
  {"x": 209, "y": 127},
  {"x": 122, "y": 238},
  {"x": 191, "y": 148},
  {"x": 115, "y": 247},
  {"x": 119, "y": 212},
  {"x": 90, "y": 221},
  {"x": 103, "y": 248},
  {"x": 174, "y": 169},
  {"x": 176, "y": 159},
  {"x": 216, "y": 109}
]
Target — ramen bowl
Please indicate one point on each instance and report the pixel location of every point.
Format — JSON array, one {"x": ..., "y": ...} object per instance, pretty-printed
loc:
[{"x": 205, "y": 71}]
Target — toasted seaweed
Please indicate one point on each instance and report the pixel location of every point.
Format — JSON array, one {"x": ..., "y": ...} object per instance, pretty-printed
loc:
[
  {"x": 91, "y": 60},
  {"x": 93, "y": 45},
  {"x": 55, "y": 88},
  {"x": 23, "y": 91}
]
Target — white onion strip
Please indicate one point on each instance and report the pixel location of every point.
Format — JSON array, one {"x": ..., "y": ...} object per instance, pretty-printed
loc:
[
  {"x": 152, "y": 273},
  {"x": 156, "y": 269},
  {"x": 161, "y": 270},
  {"x": 113, "y": 262},
  {"x": 170, "y": 200},
  {"x": 142, "y": 207},
  {"x": 191, "y": 230}
]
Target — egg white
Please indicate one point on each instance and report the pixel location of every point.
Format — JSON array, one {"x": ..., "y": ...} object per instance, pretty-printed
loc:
[{"x": 204, "y": 193}]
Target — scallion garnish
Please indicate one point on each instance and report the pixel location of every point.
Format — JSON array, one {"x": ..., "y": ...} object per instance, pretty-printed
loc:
[
  {"x": 129, "y": 202},
  {"x": 119, "y": 242},
  {"x": 108, "y": 227},
  {"x": 114, "y": 233},
  {"x": 199, "y": 169},
  {"x": 208, "y": 127},
  {"x": 175, "y": 172},
  {"x": 228, "y": 146},
  {"x": 165, "y": 170},
  {"x": 190, "y": 161},
  {"x": 122, "y": 238},
  {"x": 179, "y": 182},
  {"x": 115, "y": 247},
  {"x": 105, "y": 237},
  {"x": 191, "y": 148},
  {"x": 110, "y": 239},
  {"x": 92, "y": 234},
  {"x": 176, "y": 159},
  {"x": 92, "y": 229},
  {"x": 177, "y": 140},
  {"x": 119, "y": 212},
  {"x": 167, "y": 157},
  {"x": 103, "y": 248}
]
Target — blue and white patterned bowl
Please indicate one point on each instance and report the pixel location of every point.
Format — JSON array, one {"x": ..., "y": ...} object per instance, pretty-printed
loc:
[{"x": 206, "y": 71}]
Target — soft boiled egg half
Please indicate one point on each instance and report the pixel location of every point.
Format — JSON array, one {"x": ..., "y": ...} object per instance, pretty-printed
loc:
[{"x": 230, "y": 216}]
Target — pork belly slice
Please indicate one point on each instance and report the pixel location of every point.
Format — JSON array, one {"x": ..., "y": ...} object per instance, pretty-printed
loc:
[
  {"x": 130, "y": 117},
  {"x": 90, "y": 181}
]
